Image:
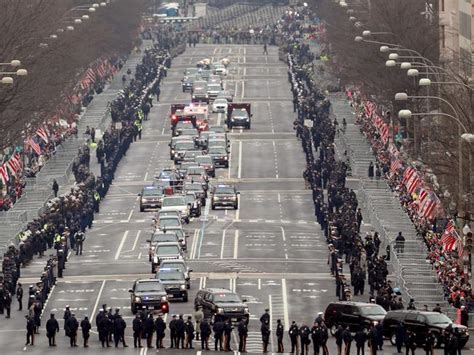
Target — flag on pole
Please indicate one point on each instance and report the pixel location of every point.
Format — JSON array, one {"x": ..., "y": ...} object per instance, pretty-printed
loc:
[
  {"x": 396, "y": 164},
  {"x": 451, "y": 239}
]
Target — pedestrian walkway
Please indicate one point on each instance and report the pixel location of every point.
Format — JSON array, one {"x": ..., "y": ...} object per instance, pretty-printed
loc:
[
  {"x": 414, "y": 275},
  {"x": 38, "y": 190}
]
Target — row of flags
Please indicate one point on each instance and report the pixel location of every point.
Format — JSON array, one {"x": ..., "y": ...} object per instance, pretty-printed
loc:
[{"x": 92, "y": 74}]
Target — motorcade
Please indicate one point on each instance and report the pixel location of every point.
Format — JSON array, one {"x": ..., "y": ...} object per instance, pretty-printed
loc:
[
  {"x": 206, "y": 162},
  {"x": 180, "y": 265},
  {"x": 176, "y": 203},
  {"x": 219, "y": 105},
  {"x": 220, "y": 156},
  {"x": 165, "y": 251}
]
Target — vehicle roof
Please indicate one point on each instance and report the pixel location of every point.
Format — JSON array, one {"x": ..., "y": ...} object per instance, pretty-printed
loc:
[
  {"x": 351, "y": 303},
  {"x": 405, "y": 311},
  {"x": 217, "y": 290},
  {"x": 165, "y": 244},
  {"x": 146, "y": 280}
]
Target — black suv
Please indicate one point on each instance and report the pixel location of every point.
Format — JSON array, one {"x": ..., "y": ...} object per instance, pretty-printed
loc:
[
  {"x": 355, "y": 315},
  {"x": 148, "y": 293},
  {"x": 174, "y": 281},
  {"x": 420, "y": 322},
  {"x": 220, "y": 303},
  {"x": 224, "y": 196}
]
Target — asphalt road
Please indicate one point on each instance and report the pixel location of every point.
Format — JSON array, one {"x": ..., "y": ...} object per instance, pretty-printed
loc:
[{"x": 270, "y": 251}]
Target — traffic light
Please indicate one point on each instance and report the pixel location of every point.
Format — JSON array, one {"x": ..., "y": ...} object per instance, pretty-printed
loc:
[{"x": 469, "y": 245}]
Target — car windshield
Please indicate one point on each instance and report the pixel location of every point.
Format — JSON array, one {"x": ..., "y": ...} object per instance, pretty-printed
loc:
[
  {"x": 240, "y": 113},
  {"x": 174, "y": 201},
  {"x": 372, "y": 310},
  {"x": 169, "y": 222},
  {"x": 193, "y": 187},
  {"x": 149, "y": 286},
  {"x": 190, "y": 71},
  {"x": 217, "y": 150},
  {"x": 437, "y": 319},
  {"x": 214, "y": 87},
  {"x": 220, "y": 102},
  {"x": 168, "y": 213},
  {"x": 168, "y": 237},
  {"x": 224, "y": 190},
  {"x": 167, "y": 250},
  {"x": 226, "y": 298},
  {"x": 204, "y": 160},
  {"x": 216, "y": 143},
  {"x": 189, "y": 131},
  {"x": 170, "y": 276},
  {"x": 197, "y": 170},
  {"x": 184, "y": 145},
  {"x": 178, "y": 231},
  {"x": 152, "y": 192}
]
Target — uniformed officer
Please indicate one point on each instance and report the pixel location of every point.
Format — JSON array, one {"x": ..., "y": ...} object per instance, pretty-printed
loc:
[
  {"x": 279, "y": 333},
  {"x": 52, "y": 327},
  {"x": 293, "y": 333},
  {"x": 265, "y": 331},
  {"x": 160, "y": 327},
  {"x": 86, "y": 328},
  {"x": 19, "y": 296},
  {"x": 227, "y": 335},
  {"x": 205, "y": 330},
  {"x": 137, "y": 331},
  {"x": 189, "y": 330}
]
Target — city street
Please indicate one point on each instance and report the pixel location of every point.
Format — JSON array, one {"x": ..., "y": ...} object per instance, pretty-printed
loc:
[{"x": 270, "y": 251}]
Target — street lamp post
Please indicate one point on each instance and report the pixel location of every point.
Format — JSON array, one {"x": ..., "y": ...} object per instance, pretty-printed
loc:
[{"x": 462, "y": 130}]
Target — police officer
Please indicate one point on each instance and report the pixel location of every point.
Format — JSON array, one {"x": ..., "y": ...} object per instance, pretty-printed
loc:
[
  {"x": 79, "y": 238},
  {"x": 189, "y": 330},
  {"x": 293, "y": 333},
  {"x": 243, "y": 332},
  {"x": 7, "y": 302},
  {"x": 173, "y": 332},
  {"x": 30, "y": 330},
  {"x": 347, "y": 337},
  {"x": 304, "y": 339},
  {"x": 19, "y": 296},
  {"x": 360, "y": 338},
  {"x": 429, "y": 343},
  {"x": 52, "y": 327},
  {"x": 86, "y": 328},
  {"x": 149, "y": 329},
  {"x": 218, "y": 329},
  {"x": 265, "y": 318},
  {"x": 160, "y": 327},
  {"x": 103, "y": 329},
  {"x": 279, "y": 333},
  {"x": 205, "y": 330},
  {"x": 71, "y": 329},
  {"x": 180, "y": 332},
  {"x": 66, "y": 316},
  {"x": 119, "y": 330},
  {"x": 137, "y": 331},
  {"x": 265, "y": 332}
]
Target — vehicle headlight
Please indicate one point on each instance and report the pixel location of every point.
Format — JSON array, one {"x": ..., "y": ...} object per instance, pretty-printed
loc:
[
  {"x": 182, "y": 287},
  {"x": 164, "y": 299},
  {"x": 233, "y": 198},
  {"x": 144, "y": 200},
  {"x": 225, "y": 158},
  {"x": 220, "y": 310},
  {"x": 217, "y": 198},
  {"x": 152, "y": 248},
  {"x": 138, "y": 300},
  {"x": 246, "y": 310},
  {"x": 172, "y": 151}
]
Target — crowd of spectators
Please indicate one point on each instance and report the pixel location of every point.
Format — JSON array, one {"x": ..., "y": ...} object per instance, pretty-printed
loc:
[{"x": 451, "y": 274}]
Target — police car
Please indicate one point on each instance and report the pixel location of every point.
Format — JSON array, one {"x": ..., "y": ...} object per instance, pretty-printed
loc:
[
  {"x": 224, "y": 196},
  {"x": 151, "y": 197},
  {"x": 148, "y": 294}
]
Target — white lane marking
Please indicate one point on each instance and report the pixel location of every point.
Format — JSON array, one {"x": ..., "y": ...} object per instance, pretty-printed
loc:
[
  {"x": 259, "y": 284},
  {"x": 230, "y": 161},
  {"x": 163, "y": 131},
  {"x": 122, "y": 242},
  {"x": 243, "y": 88},
  {"x": 283, "y": 233},
  {"x": 279, "y": 198},
  {"x": 237, "y": 212},
  {"x": 130, "y": 216},
  {"x": 92, "y": 316},
  {"x": 235, "y": 89},
  {"x": 204, "y": 282},
  {"x": 285, "y": 304},
  {"x": 219, "y": 118},
  {"x": 139, "y": 256},
  {"x": 286, "y": 255},
  {"x": 136, "y": 240},
  {"x": 223, "y": 243},
  {"x": 239, "y": 171},
  {"x": 236, "y": 243},
  {"x": 192, "y": 254},
  {"x": 231, "y": 284},
  {"x": 146, "y": 176}
]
